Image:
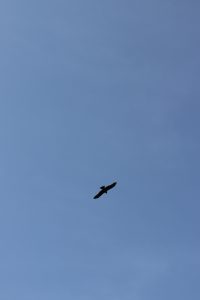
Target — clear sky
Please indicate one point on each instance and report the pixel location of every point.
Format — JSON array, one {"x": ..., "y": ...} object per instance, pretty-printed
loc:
[{"x": 94, "y": 92}]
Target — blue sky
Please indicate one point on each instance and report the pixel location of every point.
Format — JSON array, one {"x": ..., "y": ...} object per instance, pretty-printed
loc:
[{"x": 93, "y": 92}]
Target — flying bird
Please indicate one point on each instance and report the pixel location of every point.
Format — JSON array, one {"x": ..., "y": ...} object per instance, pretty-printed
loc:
[{"x": 104, "y": 189}]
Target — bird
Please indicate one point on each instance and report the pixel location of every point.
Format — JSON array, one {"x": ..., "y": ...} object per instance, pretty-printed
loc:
[{"x": 105, "y": 189}]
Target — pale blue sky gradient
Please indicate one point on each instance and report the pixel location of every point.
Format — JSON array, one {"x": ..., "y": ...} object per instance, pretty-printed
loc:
[{"x": 93, "y": 92}]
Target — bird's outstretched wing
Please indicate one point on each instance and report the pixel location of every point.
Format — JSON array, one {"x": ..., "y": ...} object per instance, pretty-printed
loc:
[
  {"x": 109, "y": 187},
  {"x": 99, "y": 194}
]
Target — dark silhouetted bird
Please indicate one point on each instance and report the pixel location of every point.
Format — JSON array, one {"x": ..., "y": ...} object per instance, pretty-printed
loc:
[{"x": 105, "y": 189}]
